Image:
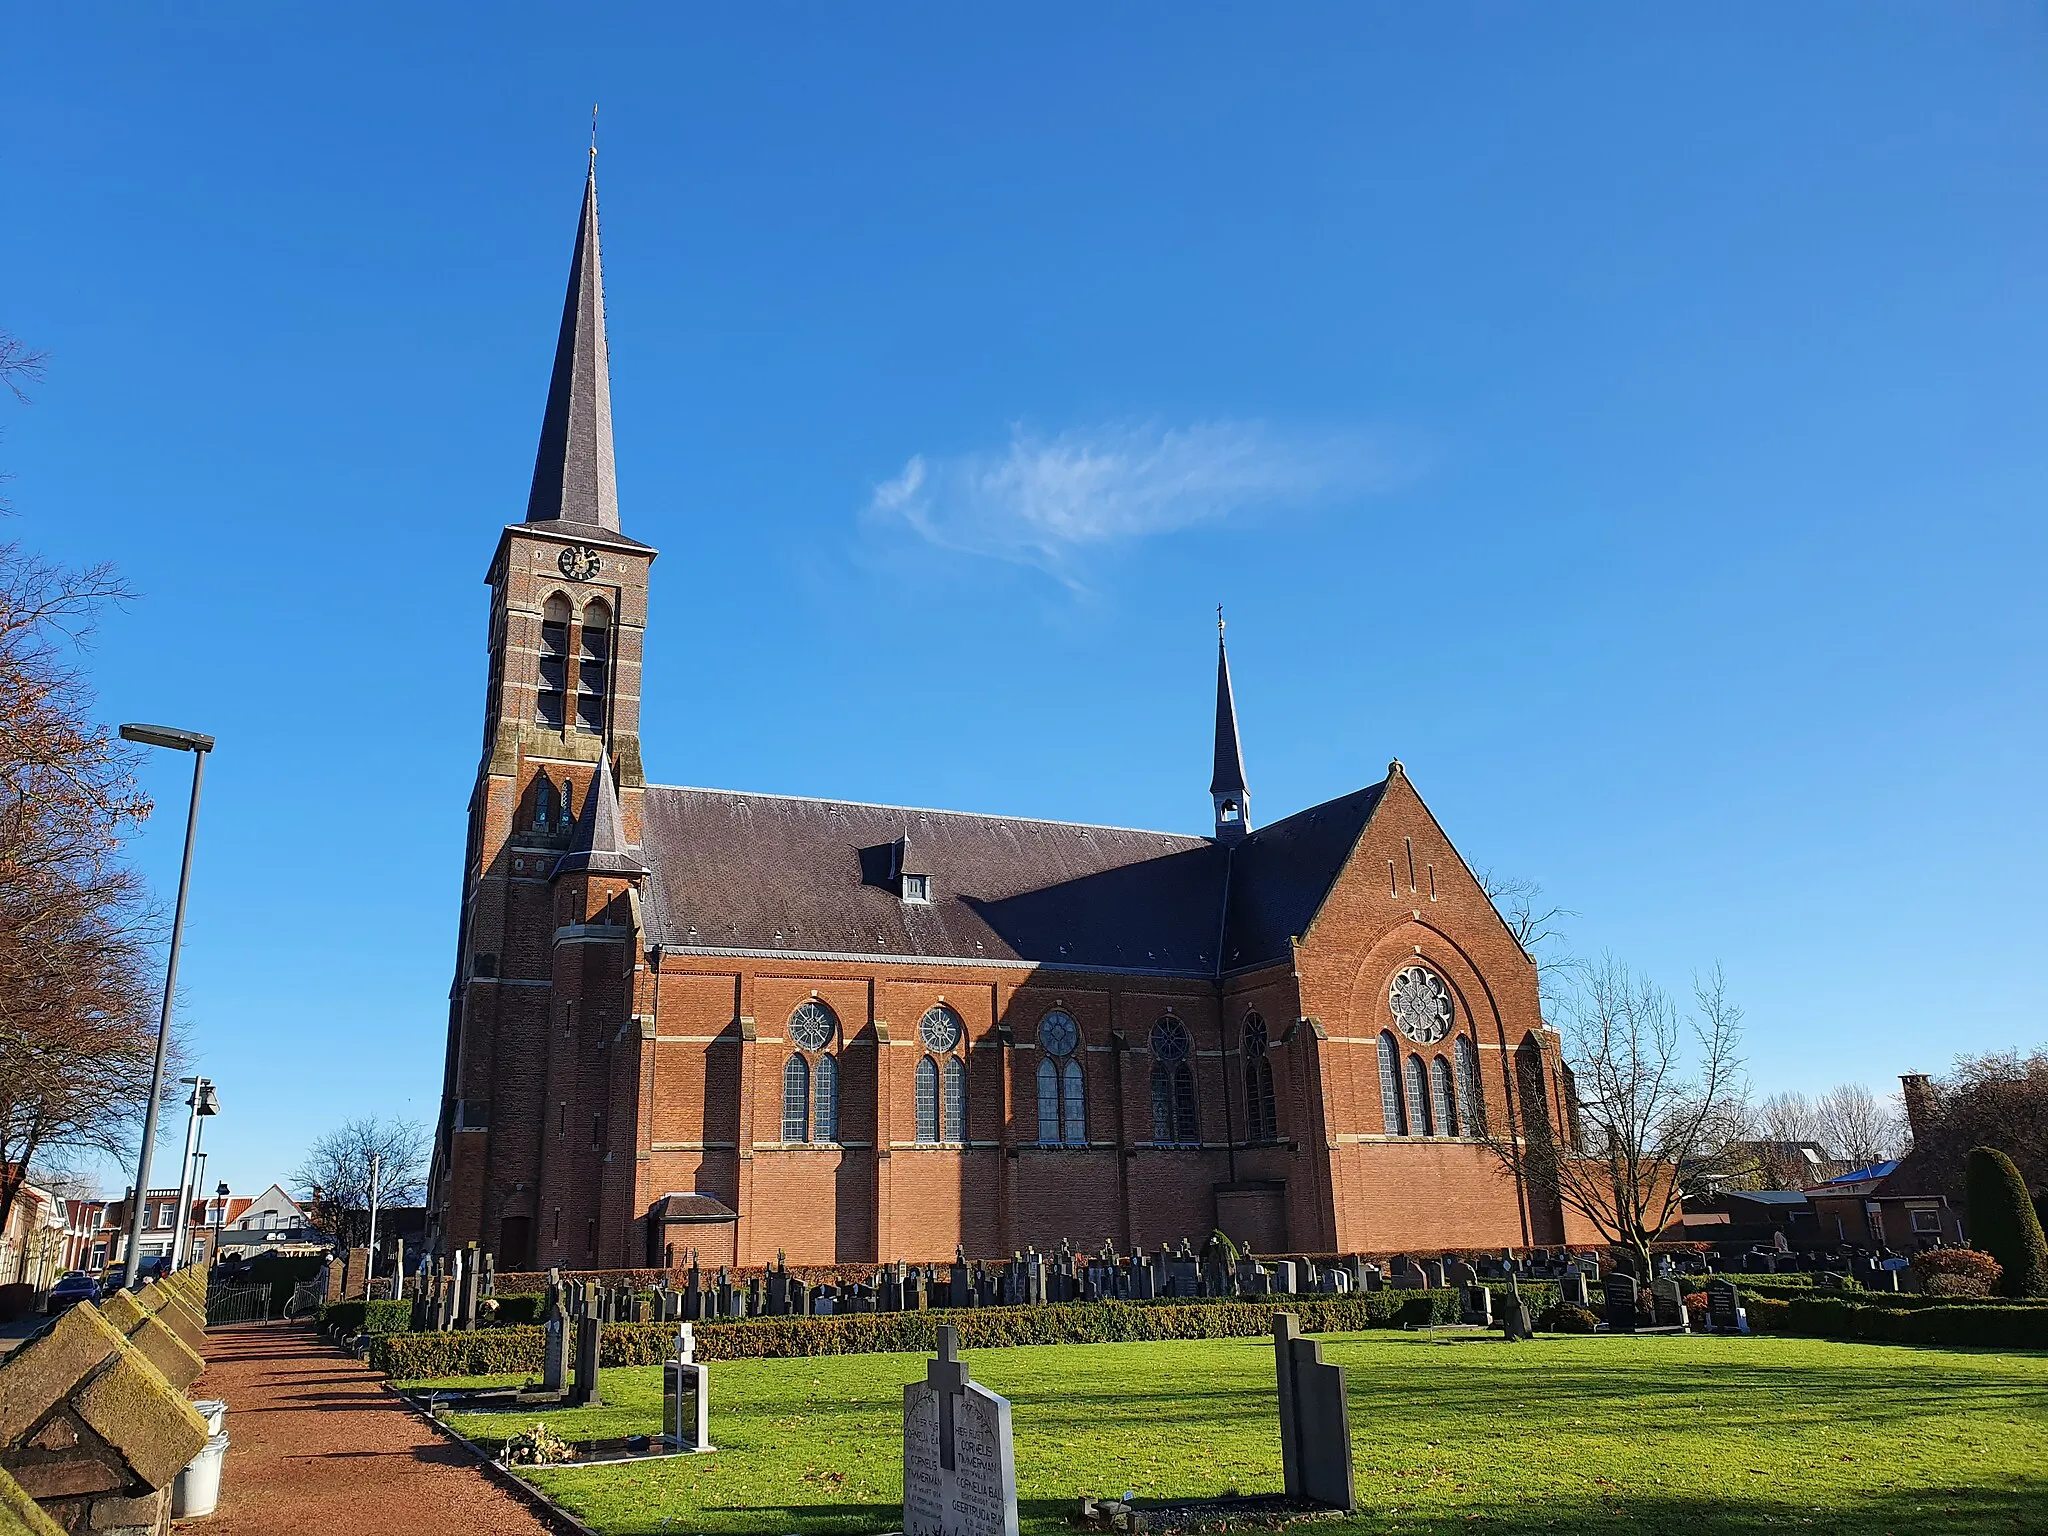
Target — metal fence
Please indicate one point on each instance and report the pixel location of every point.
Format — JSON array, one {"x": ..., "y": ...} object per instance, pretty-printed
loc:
[{"x": 238, "y": 1304}]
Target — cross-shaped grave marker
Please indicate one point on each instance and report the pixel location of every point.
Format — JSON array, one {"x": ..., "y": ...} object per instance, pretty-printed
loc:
[{"x": 948, "y": 1376}]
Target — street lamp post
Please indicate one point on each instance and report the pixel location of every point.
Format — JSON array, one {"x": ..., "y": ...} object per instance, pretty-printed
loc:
[
  {"x": 204, "y": 1103},
  {"x": 198, "y": 746},
  {"x": 370, "y": 1268}
]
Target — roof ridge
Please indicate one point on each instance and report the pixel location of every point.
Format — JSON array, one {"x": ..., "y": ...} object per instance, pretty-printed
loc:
[{"x": 932, "y": 810}]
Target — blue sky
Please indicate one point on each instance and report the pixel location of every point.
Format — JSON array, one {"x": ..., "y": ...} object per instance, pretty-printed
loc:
[{"x": 1632, "y": 420}]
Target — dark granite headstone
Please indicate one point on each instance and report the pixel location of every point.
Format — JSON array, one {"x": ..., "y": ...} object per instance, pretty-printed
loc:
[
  {"x": 1619, "y": 1292},
  {"x": 1315, "y": 1419}
]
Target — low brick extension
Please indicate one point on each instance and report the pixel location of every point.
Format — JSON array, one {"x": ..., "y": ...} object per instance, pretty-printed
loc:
[{"x": 317, "y": 1444}]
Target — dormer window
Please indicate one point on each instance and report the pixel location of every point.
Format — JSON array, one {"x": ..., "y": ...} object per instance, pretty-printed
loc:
[{"x": 917, "y": 888}]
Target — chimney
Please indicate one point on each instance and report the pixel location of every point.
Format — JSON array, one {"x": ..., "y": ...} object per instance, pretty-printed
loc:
[{"x": 1918, "y": 1092}]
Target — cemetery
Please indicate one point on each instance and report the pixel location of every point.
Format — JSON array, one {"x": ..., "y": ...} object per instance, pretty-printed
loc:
[{"x": 1406, "y": 1393}]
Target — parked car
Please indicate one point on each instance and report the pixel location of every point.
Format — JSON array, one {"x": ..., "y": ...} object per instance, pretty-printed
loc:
[{"x": 72, "y": 1289}]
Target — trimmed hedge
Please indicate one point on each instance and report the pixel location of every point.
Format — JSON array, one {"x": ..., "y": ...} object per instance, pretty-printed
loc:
[
  {"x": 2003, "y": 1223},
  {"x": 509, "y": 1350},
  {"x": 367, "y": 1316},
  {"x": 1946, "y": 1324}
]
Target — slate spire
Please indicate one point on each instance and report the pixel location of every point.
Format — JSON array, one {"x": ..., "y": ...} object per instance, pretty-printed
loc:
[
  {"x": 598, "y": 845},
  {"x": 1226, "y": 785},
  {"x": 573, "y": 478}
]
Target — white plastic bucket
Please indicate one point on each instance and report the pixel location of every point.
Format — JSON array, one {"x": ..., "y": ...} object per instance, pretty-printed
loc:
[
  {"x": 197, "y": 1489},
  {"x": 214, "y": 1411}
]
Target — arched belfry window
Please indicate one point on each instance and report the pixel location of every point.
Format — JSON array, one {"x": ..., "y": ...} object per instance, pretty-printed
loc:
[
  {"x": 1393, "y": 1114},
  {"x": 1261, "y": 1112},
  {"x": 593, "y": 663},
  {"x": 796, "y": 1100},
  {"x": 551, "y": 705},
  {"x": 1173, "y": 1085},
  {"x": 1471, "y": 1103},
  {"x": 813, "y": 1028},
  {"x": 1443, "y": 1098},
  {"x": 1418, "y": 1097},
  {"x": 1062, "y": 1109}
]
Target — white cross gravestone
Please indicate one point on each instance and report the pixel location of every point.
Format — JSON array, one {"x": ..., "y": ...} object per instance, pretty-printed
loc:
[
  {"x": 959, "y": 1471},
  {"x": 686, "y": 1396}
]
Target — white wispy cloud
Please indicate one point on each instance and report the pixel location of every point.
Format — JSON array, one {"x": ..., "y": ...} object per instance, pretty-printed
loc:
[{"x": 1047, "y": 500}]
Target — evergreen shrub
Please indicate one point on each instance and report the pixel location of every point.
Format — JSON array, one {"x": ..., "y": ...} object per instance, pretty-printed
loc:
[{"x": 2003, "y": 1221}]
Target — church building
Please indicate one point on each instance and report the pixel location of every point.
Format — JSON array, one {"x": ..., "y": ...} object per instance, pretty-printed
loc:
[{"x": 713, "y": 1021}]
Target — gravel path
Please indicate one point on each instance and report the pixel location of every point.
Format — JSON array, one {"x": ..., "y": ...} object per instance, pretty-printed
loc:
[{"x": 316, "y": 1444}]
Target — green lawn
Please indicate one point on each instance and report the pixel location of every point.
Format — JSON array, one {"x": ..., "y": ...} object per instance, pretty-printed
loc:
[{"x": 1696, "y": 1436}]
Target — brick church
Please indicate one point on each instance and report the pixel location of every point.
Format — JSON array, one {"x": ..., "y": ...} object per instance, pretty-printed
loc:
[{"x": 736, "y": 1023}]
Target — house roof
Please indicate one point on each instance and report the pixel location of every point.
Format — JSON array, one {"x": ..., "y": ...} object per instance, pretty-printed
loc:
[
  {"x": 1773, "y": 1197},
  {"x": 1859, "y": 1175},
  {"x": 752, "y": 872}
]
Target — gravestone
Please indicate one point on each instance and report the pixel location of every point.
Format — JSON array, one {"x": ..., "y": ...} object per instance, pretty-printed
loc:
[
  {"x": 1571, "y": 1287},
  {"x": 1518, "y": 1324},
  {"x": 1619, "y": 1295},
  {"x": 1667, "y": 1304},
  {"x": 1477, "y": 1307},
  {"x": 959, "y": 1468},
  {"x": 686, "y": 1396},
  {"x": 1315, "y": 1419},
  {"x": 1464, "y": 1274},
  {"x": 554, "y": 1349},
  {"x": 1724, "y": 1307},
  {"x": 589, "y": 1338},
  {"x": 1434, "y": 1276}
]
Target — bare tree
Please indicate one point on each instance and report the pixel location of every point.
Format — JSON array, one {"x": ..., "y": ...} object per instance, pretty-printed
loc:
[
  {"x": 333, "y": 1180},
  {"x": 1655, "y": 1093},
  {"x": 20, "y": 365},
  {"x": 2001, "y": 1101},
  {"x": 1857, "y": 1126},
  {"x": 1536, "y": 924},
  {"x": 77, "y": 974}
]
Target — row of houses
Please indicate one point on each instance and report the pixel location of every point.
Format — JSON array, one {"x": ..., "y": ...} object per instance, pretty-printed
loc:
[{"x": 47, "y": 1234}]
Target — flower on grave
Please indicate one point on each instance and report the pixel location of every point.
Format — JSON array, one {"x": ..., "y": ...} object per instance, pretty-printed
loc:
[{"x": 537, "y": 1447}]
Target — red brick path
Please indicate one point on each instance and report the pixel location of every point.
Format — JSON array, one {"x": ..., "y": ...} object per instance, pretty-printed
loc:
[{"x": 316, "y": 1444}]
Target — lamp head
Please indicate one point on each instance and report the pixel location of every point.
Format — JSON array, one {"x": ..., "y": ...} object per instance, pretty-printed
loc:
[
  {"x": 206, "y": 1101},
  {"x": 167, "y": 736}
]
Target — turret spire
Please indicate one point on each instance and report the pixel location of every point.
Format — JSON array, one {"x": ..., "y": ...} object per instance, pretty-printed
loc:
[
  {"x": 1226, "y": 785},
  {"x": 573, "y": 478},
  {"x": 599, "y": 841}
]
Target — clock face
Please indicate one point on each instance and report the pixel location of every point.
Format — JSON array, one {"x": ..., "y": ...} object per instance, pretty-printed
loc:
[
  {"x": 578, "y": 563},
  {"x": 1058, "y": 1034}
]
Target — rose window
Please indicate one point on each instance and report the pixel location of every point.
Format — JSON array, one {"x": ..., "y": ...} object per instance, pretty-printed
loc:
[{"x": 1422, "y": 1005}]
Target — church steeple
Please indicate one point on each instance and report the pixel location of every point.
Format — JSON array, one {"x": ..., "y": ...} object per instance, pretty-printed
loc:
[
  {"x": 1226, "y": 785},
  {"x": 573, "y": 478}
]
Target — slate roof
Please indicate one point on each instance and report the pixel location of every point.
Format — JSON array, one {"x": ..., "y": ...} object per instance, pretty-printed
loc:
[
  {"x": 573, "y": 475},
  {"x": 1228, "y": 776},
  {"x": 753, "y": 872},
  {"x": 599, "y": 842}
]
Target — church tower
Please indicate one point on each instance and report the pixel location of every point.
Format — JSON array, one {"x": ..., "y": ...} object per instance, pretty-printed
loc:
[{"x": 568, "y": 611}]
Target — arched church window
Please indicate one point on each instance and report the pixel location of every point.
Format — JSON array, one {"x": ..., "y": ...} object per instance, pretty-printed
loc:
[
  {"x": 796, "y": 1100},
  {"x": 1471, "y": 1103},
  {"x": 1062, "y": 1113},
  {"x": 1393, "y": 1115},
  {"x": 1261, "y": 1112},
  {"x": 1443, "y": 1100},
  {"x": 593, "y": 660},
  {"x": 927, "y": 1099},
  {"x": 550, "y": 708},
  {"x": 954, "y": 1126},
  {"x": 940, "y": 1029},
  {"x": 1418, "y": 1097},
  {"x": 544, "y": 805},
  {"x": 1173, "y": 1085},
  {"x": 825, "y": 1100}
]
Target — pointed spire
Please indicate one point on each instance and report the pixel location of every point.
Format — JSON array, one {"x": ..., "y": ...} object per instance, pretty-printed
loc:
[
  {"x": 1226, "y": 785},
  {"x": 598, "y": 845},
  {"x": 573, "y": 478}
]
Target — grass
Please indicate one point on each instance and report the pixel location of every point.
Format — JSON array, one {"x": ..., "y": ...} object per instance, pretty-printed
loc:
[{"x": 1705, "y": 1437}]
